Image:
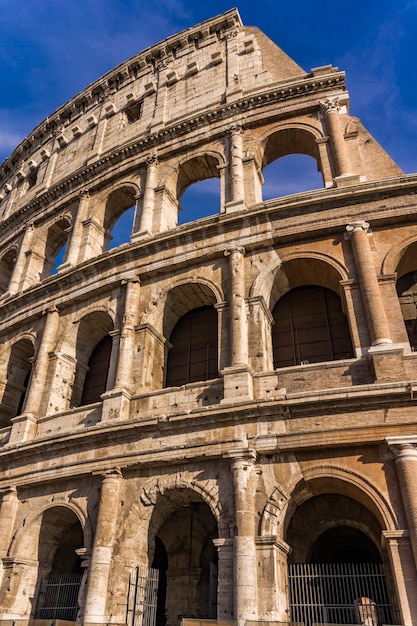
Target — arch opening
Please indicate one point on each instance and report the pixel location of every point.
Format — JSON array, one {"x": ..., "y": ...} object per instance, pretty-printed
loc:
[
  {"x": 93, "y": 353},
  {"x": 55, "y": 247},
  {"x": 338, "y": 569},
  {"x": 60, "y": 572},
  {"x": 7, "y": 263},
  {"x": 291, "y": 163},
  {"x": 198, "y": 188},
  {"x": 309, "y": 327},
  {"x": 200, "y": 199},
  {"x": 183, "y": 545},
  {"x": 17, "y": 381},
  {"x": 119, "y": 216},
  {"x": 291, "y": 174},
  {"x": 407, "y": 295},
  {"x": 193, "y": 355}
]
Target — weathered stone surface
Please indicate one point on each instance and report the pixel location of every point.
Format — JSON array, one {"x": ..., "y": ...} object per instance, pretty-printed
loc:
[{"x": 224, "y": 479}]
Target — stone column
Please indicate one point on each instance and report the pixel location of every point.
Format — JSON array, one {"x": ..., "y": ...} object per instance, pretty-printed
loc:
[
  {"x": 238, "y": 337},
  {"x": 100, "y": 562},
  {"x": 20, "y": 265},
  {"x": 404, "y": 574},
  {"x": 237, "y": 186},
  {"x": 74, "y": 245},
  {"x": 8, "y": 509},
  {"x": 368, "y": 282},
  {"x": 146, "y": 222},
  {"x": 116, "y": 401},
  {"x": 245, "y": 570},
  {"x": 24, "y": 425},
  {"x": 237, "y": 378},
  {"x": 330, "y": 109},
  {"x": 405, "y": 452},
  {"x": 127, "y": 337}
]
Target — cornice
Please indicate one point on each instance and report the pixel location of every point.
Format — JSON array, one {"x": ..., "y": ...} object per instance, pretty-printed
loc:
[
  {"x": 110, "y": 440},
  {"x": 117, "y": 78},
  {"x": 278, "y": 93}
]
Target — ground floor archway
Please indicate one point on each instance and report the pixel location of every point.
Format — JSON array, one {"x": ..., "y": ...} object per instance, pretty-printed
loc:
[{"x": 338, "y": 570}]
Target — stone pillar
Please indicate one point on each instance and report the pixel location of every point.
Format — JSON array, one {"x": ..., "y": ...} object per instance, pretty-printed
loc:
[
  {"x": 368, "y": 282},
  {"x": 127, "y": 338},
  {"x": 272, "y": 558},
  {"x": 404, "y": 574},
  {"x": 116, "y": 401},
  {"x": 225, "y": 579},
  {"x": 405, "y": 452},
  {"x": 146, "y": 222},
  {"x": 238, "y": 337},
  {"x": 237, "y": 378},
  {"x": 330, "y": 109},
  {"x": 24, "y": 425},
  {"x": 237, "y": 186},
  {"x": 100, "y": 562},
  {"x": 8, "y": 509},
  {"x": 74, "y": 246},
  {"x": 245, "y": 570},
  {"x": 20, "y": 265}
]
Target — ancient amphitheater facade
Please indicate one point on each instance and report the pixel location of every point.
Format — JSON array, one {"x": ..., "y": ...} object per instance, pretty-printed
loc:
[{"x": 215, "y": 419}]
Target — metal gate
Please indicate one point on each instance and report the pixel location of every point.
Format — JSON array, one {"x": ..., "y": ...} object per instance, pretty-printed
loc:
[
  {"x": 60, "y": 600},
  {"x": 142, "y": 596},
  {"x": 338, "y": 593}
]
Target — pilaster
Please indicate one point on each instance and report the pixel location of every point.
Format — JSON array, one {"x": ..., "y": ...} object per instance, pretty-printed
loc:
[
  {"x": 100, "y": 562},
  {"x": 242, "y": 464}
]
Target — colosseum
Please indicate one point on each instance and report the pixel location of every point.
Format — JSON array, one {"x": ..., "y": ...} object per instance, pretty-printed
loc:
[{"x": 210, "y": 419}]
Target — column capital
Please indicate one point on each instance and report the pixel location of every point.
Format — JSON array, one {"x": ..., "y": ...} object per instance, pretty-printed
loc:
[
  {"x": 330, "y": 105},
  {"x": 236, "y": 129},
  {"x": 243, "y": 457},
  {"x": 5, "y": 491},
  {"x": 84, "y": 193},
  {"x": 356, "y": 226},
  {"x": 110, "y": 474},
  {"x": 152, "y": 159},
  {"x": 403, "y": 446},
  {"x": 234, "y": 246}
]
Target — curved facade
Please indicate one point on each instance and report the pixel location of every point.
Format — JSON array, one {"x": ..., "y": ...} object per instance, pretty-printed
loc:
[{"x": 225, "y": 403}]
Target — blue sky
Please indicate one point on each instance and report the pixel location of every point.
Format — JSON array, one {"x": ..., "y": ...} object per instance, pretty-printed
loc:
[{"x": 52, "y": 49}]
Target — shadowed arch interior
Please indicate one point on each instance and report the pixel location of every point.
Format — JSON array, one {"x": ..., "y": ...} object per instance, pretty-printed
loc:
[
  {"x": 93, "y": 350},
  {"x": 309, "y": 327},
  {"x": 18, "y": 376}
]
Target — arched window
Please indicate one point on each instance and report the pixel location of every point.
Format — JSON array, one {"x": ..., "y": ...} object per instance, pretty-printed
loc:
[
  {"x": 122, "y": 229},
  {"x": 18, "y": 376},
  {"x": 200, "y": 200},
  {"x": 193, "y": 353},
  {"x": 93, "y": 352},
  {"x": 60, "y": 572},
  {"x": 309, "y": 327},
  {"x": 6, "y": 269},
  {"x": 291, "y": 163},
  {"x": 293, "y": 173},
  {"x": 407, "y": 294},
  {"x": 198, "y": 188},
  {"x": 96, "y": 377},
  {"x": 55, "y": 247},
  {"x": 118, "y": 217}
]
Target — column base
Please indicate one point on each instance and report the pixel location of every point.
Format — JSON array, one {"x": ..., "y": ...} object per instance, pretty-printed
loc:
[
  {"x": 23, "y": 428},
  {"x": 116, "y": 405},
  {"x": 346, "y": 180},
  {"x": 387, "y": 360},
  {"x": 238, "y": 384},
  {"x": 143, "y": 234},
  {"x": 235, "y": 206}
]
